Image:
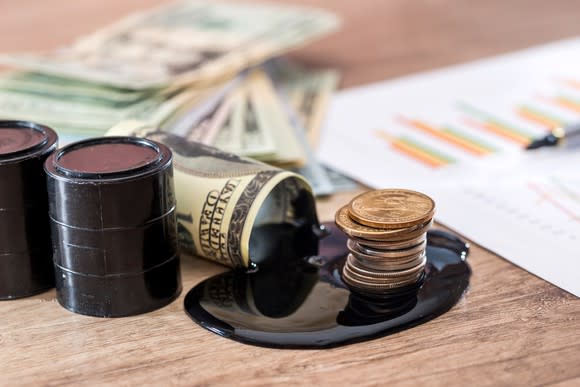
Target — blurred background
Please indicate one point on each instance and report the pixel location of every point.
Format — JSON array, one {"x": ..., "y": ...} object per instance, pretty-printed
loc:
[
  {"x": 378, "y": 39},
  {"x": 354, "y": 43}
]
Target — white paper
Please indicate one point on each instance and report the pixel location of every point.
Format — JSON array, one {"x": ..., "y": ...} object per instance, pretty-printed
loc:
[{"x": 525, "y": 206}]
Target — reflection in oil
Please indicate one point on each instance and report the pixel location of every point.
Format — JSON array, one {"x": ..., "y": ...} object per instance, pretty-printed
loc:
[{"x": 292, "y": 302}]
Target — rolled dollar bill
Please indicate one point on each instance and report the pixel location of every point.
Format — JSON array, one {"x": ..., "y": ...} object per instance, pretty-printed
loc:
[{"x": 226, "y": 203}]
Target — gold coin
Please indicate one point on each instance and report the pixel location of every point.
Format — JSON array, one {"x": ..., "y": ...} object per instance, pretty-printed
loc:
[
  {"x": 403, "y": 234},
  {"x": 353, "y": 229},
  {"x": 391, "y": 208}
]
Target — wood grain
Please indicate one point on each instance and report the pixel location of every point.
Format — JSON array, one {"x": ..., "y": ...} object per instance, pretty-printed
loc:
[{"x": 510, "y": 328}]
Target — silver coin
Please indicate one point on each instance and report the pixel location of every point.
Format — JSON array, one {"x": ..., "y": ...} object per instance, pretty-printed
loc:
[
  {"x": 358, "y": 282},
  {"x": 390, "y": 245},
  {"x": 382, "y": 277},
  {"x": 386, "y": 265},
  {"x": 417, "y": 265},
  {"x": 383, "y": 281},
  {"x": 389, "y": 253},
  {"x": 364, "y": 252},
  {"x": 400, "y": 235}
]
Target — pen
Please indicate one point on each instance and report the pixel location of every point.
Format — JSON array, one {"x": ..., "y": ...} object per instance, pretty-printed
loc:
[{"x": 559, "y": 136}]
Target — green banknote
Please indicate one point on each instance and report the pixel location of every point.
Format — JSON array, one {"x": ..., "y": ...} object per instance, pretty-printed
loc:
[
  {"x": 308, "y": 92},
  {"x": 242, "y": 134},
  {"x": 84, "y": 117},
  {"x": 270, "y": 116},
  {"x": 62, "y": 88},
  {"x": 181, "y": 43}
]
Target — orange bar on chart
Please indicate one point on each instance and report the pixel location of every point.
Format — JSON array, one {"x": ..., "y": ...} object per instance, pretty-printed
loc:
[
  {"x": 416, "y": 151},
  {"x": 567, "y": 103},
  {"x": 573, "y": 83},
  {"x": 538, "y": 117},
  {"x": 447, "y": 136},
  {"x": 498, "y": 127},
  {"x": 500, "y": 130}
]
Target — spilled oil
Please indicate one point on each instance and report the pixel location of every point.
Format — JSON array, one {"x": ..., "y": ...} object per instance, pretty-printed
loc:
[{"x": 294, "y": 302}]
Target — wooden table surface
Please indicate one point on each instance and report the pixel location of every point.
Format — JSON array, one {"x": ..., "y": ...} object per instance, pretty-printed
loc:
[{"x": 510, "y": 328}]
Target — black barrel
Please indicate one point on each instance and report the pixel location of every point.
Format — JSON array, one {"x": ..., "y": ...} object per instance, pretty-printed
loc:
[
  {"x": 114, "y": 230},
  {"x": 25, "y": 246}
]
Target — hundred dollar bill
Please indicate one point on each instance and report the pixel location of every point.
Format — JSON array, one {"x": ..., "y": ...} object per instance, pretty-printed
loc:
[
  {"x": 224, "y": 201},
  {"x": 181, "y": 43}
]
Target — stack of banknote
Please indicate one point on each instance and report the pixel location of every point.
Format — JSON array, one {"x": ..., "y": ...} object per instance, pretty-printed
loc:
[{"x": 208, "y": 71}]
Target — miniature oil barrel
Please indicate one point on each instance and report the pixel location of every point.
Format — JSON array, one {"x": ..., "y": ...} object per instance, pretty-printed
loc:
[
  {"x": 25, "y": 246},
  {"x": 114, "y": 230}
]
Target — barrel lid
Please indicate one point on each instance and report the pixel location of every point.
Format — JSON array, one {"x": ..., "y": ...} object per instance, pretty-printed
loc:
[
  {"x": 23, "y": 139},
  {"x": 108, "y": 158}
]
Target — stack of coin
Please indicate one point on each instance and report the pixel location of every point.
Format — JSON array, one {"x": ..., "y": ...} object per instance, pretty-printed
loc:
[{"x": 387, "y": 239}]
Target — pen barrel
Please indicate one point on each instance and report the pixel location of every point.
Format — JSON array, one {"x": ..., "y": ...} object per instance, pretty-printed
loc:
[
  {"x": 571, "y": 141},
  {"x": 571, "y": 130}
]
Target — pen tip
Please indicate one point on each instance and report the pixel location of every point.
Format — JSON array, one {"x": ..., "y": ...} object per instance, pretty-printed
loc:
[
  {"x": 535, "y": 144},
  {"x": 549, "y": 140}
]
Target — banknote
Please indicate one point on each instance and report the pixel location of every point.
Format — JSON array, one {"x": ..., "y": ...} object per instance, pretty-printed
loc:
[
  {"x": 306, "y": 95},
  {"x": 44, "y": 85},
  {"x": 201, "y": 125},
  {"x": 84, "y": 116},
  {"x": 258, "y": 141},
  {"x": 269, "y": 114},
  {"x": 211, "y": 107},
  {"x": 242, "y": 134},
  {"x": 56, "y": 112},
  {"x": 222, "y": 199},
  {"x": 312, "y": 170},
  {"x": 181, "y": 43},
  {"x": 340, "y": 182},
  {"x": 308, "y": 91},
  {"x": 230, "y": 135},
  {"x": 257, "y": 136}
]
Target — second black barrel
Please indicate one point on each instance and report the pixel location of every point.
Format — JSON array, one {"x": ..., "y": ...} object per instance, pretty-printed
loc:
[{"x": 112, "y": 210}]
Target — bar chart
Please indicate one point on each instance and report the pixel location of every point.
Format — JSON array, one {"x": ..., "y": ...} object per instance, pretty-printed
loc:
[{"x": 459, "y": 134}]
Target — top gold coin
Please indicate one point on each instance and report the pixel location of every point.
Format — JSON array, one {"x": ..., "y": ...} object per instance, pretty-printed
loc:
[{"x": 391, "y": 208}]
